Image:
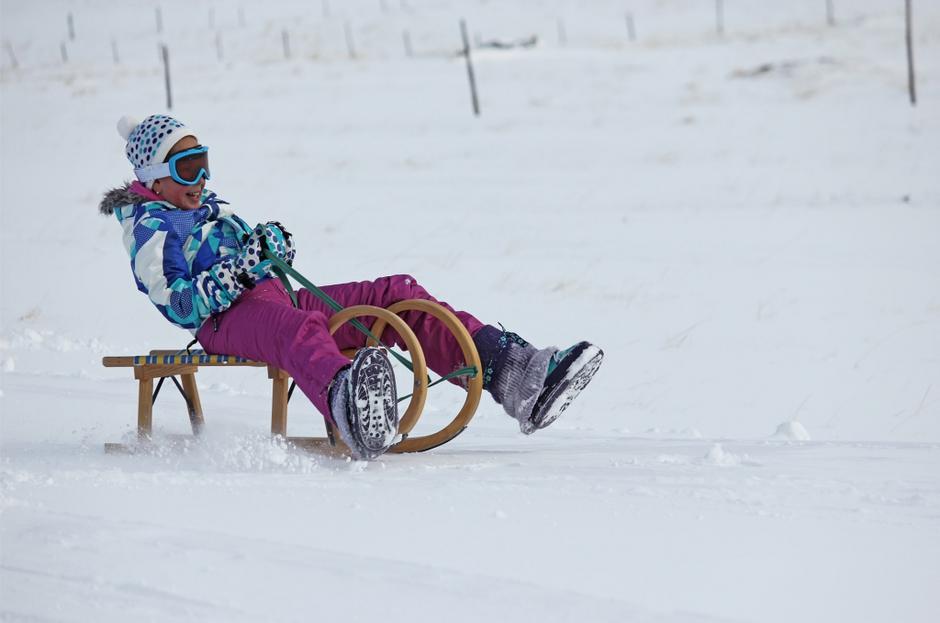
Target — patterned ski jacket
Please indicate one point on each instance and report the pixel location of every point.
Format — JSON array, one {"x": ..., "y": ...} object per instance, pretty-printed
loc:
[{"x": 171, "y": 251}]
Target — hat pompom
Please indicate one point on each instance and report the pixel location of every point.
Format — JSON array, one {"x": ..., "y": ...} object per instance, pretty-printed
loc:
[{"x": 126, "y": 125}]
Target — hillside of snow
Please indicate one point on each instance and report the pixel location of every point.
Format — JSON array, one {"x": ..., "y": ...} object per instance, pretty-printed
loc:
[{"x": 748, "y": 223}]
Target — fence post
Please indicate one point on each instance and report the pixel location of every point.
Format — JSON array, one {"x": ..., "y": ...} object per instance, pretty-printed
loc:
[
  {"x": 406, "y": 39},
  {"x": 71, "y": 23},
  {"x": 911, "y": 78},
  {"x": 473, "y": 82},
  {"x": 285, "y": 39},
  {"x": 165, "y": 53},
  {"x": 830, "y": 13},
  {"x": 631, "y": 28},
  {"x": 114, "y": 52},
  {"x": 562, "y": 33},
  {"x": 64, "y": 51},
  {"x": 350, "y": 44},
  {"x": 720, "y": 17},
  {"x": 9, "y": 47},
  {"x": 158, "y": 14}
]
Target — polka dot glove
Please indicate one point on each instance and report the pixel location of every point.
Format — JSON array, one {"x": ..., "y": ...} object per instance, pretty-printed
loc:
[
  {"x": 229, "y": 278},
  {"x": 279, "y": 240},
  {"x": 250, "y": 260}
]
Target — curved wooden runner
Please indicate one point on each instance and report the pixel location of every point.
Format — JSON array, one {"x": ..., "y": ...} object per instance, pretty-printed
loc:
[
  {"x": 474, "y": 384},
  {"x": 387, "y": 317},
  {"x": 418, "y": 397}
]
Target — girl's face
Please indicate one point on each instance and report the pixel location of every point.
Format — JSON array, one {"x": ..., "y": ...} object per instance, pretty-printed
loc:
[{"x": 182, "y": 196}]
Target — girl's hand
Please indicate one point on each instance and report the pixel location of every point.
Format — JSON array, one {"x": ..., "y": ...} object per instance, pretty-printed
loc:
[
  {"x": 271, "y": 236},
  {"x": 280, "y": 241}
]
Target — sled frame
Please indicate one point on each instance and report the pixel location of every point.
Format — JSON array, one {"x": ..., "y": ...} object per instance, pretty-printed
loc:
[{"x": 162, "y": 364}]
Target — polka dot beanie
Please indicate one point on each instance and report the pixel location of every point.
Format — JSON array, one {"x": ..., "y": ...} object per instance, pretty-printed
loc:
[{"x": 150, "y": 140}]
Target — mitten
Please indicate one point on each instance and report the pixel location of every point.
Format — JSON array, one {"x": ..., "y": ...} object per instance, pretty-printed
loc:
[
  {"x": 276, "y": 238},
  {"x": 235, "y": 274},
  {"x": 230, "y": 277},
  {"x": 251, "y": 256}
]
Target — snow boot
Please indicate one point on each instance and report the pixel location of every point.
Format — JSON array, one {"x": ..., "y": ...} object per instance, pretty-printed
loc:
[
  {"x": 569, "y": 371},
  {"x": 534, "y": 386},
  {"x": 364, "y": 404}
]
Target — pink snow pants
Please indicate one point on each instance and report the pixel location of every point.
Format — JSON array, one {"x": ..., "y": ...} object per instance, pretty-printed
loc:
[{"x": 264, "y": 325}]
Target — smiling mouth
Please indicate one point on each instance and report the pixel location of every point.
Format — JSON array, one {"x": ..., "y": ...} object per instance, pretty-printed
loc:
[{"x": 195, "y": 194}]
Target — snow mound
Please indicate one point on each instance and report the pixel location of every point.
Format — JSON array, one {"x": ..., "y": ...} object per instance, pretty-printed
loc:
[
  {"x": 674, "y": 433},
  {"x": 48, "y": 340},
  {"x": 793, "y": 431},
  {"x": 717, "y": 455},
  {"x": 672, "y": 459}
]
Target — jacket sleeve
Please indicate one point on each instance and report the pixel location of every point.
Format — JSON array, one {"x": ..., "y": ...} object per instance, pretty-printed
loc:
[{"x": 160, "y": 266}]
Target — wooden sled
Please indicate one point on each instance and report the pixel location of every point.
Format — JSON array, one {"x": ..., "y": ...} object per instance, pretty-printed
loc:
[{"x": 163, "y": 364}]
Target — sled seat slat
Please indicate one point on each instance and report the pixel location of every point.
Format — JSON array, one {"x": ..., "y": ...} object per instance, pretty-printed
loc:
[{"x": 175, "y": 357}]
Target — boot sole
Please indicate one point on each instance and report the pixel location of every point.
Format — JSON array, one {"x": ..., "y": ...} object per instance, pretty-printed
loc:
[
  {"x": 553, "y": 404},
  {"x": 373, "y": 405}
]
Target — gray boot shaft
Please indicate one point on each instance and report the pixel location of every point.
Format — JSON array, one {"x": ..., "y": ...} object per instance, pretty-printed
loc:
[{"x": 514, "y": 370}]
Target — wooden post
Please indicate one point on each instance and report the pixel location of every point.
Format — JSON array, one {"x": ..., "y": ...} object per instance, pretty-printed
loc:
[
  {"x": 241, "y": 16},
  {"x": 9, "y": 47},
  {"x": 64, "y": 51},
  {"x": 114, "y": 52},
  {"x": 830, "y": 13},
  {"x": 720, "y": 17},
  {"x": 631, "y": 29},
  {"x": 211, "y": 18},
  {"x": 158, "y": 14},
  {"x": 165, "y": 54},
  {"x": 470, "y": 76},
  {"x": 406, "y": 39},
  {"x": 285, "y": 39},
  {"x": 197, "y": 420},
  {"x": 218, "y": 45},
  {"x": 562, "y": 34},
  {"x": 349, "y": 40},
  {"x": 71, "y": 23},
  {"x": 911, "y": 78},
  {"x": 279, "y": 390},
  {"x": 145, "y": 409}
]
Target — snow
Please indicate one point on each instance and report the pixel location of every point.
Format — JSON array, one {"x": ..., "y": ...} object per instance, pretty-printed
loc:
[
  {"x": 792, "y": 430},
  {"x": 746, "y": 224}
]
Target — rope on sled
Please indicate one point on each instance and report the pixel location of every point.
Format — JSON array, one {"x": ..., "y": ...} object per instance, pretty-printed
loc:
[{"x": 282, "y": 269}]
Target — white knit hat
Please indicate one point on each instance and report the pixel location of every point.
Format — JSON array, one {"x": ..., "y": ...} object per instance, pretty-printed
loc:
[{"x": 150, "y": 140}]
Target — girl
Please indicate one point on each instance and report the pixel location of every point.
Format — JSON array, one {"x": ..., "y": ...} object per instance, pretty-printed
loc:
[{"x": 204, "y": 269}]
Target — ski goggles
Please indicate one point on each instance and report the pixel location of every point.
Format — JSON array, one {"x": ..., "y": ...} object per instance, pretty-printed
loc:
[{"x": 187, "y": 167}]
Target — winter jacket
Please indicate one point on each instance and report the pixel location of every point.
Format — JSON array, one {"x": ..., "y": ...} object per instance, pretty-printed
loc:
[{"x": 171, "y": 251}]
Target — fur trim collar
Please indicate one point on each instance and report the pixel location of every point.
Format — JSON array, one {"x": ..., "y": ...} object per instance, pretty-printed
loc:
[{"x": 116, "y": 198}]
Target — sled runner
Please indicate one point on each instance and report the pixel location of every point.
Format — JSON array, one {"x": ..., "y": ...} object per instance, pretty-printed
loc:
[{"x": 160, "y": 365}]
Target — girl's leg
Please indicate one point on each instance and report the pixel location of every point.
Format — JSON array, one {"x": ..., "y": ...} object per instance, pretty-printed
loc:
[
  {"x": 263, "y": 325},
  {"x": 441, "y": 350}
]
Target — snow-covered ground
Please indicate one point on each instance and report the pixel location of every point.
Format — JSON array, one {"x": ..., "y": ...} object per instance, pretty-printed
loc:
[{"x": 748, "y": 224}]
